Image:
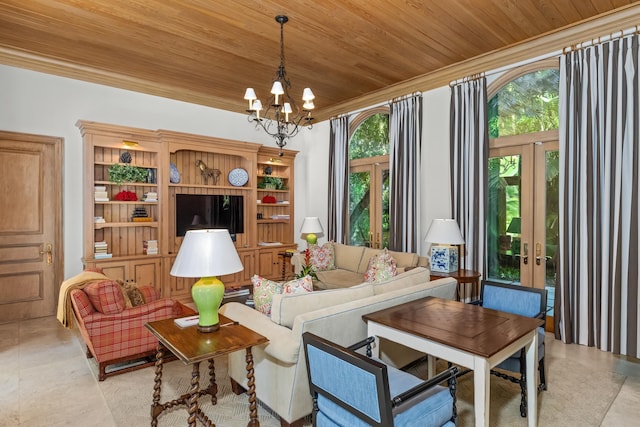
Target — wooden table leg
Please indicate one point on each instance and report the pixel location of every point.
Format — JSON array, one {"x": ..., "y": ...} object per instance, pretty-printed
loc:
[
  {"x": 213, "y": 386},
  {"x": 193, "y": 394},
  {"x": 251, "y": 392},
  {"x": 156, "y": 407}
]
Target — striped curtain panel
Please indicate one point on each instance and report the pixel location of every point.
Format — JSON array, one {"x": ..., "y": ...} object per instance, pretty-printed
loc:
[
  {"x": 405, "y": 139},
  {"x": 597, "y": 300},
  {"x": 469, "y": 135},
  {"x": 338, "y": 180}
]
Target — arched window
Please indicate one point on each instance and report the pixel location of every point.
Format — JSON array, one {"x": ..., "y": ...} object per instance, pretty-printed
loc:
[{"x": 369, "y": 179}]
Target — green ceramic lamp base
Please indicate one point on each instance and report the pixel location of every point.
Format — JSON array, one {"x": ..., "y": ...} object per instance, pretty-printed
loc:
[
  {"x": 312, "y": 239},
  {"x": 207, "y": 294}
]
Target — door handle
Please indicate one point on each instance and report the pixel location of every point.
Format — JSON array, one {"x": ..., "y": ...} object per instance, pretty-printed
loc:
[
  {"x": 49, "y": 252},
  {"x": 525, "y": 253},
  {"x": 538, "y": 253}
]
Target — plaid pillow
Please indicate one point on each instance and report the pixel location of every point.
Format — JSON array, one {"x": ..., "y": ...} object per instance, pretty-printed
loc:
[{"x": 106, "y": 296}]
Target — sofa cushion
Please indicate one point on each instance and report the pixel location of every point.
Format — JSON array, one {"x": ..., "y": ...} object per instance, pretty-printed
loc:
[
  {"x": 348, "y": 257},
  {"x": 367, "y": 254},
  {"x": 413, "y": 277},
  {"x": 285, "y": 308},
  {"x": 322, "y": 257},
  {"x": 405, "y": 259},
  {"x": 382, "y": 267},
  {"x": 106, "y": 296},
  {"x": 339, "y": 278},
  {"x": 265, "y": 289}
]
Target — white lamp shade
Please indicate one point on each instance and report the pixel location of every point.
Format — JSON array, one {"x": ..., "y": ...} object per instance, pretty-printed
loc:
[
  {"x": 311, "y": 224},
  {"x": 444, "y": 231},
  {"x": 206, "y": 253},
  {"x": 308, "y": 105},
  {"x": 257, "y": 105},
  {"x": 286, "y": 108},
  {"x": 250, "y": 94},
  {"x": 307, "y": 95},
  {"x": 277, "y": 88}
]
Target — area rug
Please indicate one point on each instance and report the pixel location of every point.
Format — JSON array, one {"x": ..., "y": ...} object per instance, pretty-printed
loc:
[{"x": 577, "y": 395}]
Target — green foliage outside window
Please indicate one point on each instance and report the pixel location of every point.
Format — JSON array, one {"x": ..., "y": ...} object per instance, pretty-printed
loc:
[
  {"x": 370, "y": 139},
  {"x": 526, "y": 104}
]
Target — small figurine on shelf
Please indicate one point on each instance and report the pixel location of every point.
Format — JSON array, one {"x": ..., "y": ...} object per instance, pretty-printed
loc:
[{"x": 207, "y": 172}]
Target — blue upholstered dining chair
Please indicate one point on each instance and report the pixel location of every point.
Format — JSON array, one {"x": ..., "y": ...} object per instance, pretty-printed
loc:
[
  {"x": 353, "y": 389},
  {"x": 525, "y": 301}
]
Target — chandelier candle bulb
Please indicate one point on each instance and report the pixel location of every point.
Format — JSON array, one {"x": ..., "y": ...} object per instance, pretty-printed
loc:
[{"x": 250, "y": 95}]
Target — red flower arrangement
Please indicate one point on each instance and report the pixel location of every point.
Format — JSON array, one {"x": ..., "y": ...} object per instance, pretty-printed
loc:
[
  {"x": 307, "y": 267},
  {"x": 126, "y": 196}
]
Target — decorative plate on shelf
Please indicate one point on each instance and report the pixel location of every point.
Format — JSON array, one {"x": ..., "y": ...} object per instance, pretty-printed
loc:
[{"x": 238, "y": 177}]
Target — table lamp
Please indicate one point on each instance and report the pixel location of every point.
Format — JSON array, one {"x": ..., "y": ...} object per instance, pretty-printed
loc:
[
  {"x": 310, "y": 226},
  {"x": 444, "y": 233},
  {"x": 207, "y": 253}
]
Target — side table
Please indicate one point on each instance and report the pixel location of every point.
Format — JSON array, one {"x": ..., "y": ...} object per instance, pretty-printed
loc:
[
  {"x": 286, "y": 259},
  {"x": 193, "y": 347},
  {"x": 463, "y": 277}
]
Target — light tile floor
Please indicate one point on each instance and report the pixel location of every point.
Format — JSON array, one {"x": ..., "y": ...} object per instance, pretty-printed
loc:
[{"x": 45, "y": 379}]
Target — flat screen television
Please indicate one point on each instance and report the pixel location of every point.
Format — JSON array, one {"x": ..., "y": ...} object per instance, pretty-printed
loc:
[{"x": 196, "y": 211}]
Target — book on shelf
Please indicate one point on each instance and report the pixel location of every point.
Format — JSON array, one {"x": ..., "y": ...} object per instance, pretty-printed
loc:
[
  {"x": 236, "y": 292},
  {"x": 150, "y": 247},
  {"x": 142, "y": 219},
  {"x": 100, "y": 188},
  {"x": 100, "y": 195},
  {"x": 101, "y": 255},
  {"x": 150, "y": 196},
  {"x": 269, "y": 243},
  {"x": 282, "y": 216},
  {"x": 99, "y": 220}
]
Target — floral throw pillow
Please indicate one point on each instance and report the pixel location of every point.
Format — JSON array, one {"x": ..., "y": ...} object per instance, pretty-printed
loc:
[
  {"x": 322, "y": 257},
  {"x": 297, "y": 286},
  {"x": 265, "y": 289},
  {"x": 263, "y": 292},
  {"x": 382, "y": 267}
]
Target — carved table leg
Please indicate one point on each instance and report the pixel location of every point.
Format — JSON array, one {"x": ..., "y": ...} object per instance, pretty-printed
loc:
[
  {"x": 193, "y": 394},
  {"x": 251, "y": 392},
  {"x": 213, "y": 387},
  {"x": 156, "y": 407}
]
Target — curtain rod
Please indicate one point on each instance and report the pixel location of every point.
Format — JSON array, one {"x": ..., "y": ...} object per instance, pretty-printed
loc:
[{"x": 553, "y": 54}]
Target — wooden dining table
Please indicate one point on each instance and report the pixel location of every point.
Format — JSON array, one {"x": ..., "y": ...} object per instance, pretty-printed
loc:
[{"x": 467, "y": 335}]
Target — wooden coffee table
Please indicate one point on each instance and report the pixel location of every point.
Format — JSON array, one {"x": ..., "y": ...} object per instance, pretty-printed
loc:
[{"x": 193, "y": 347}]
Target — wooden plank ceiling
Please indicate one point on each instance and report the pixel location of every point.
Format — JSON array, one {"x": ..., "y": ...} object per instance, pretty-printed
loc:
[{"x": 208, "y": 52}]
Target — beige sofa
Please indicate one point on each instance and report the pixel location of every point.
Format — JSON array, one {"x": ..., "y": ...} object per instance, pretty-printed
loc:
[
  {"x": 280, "y": 369},
  {"x": 351, "y": 263}
]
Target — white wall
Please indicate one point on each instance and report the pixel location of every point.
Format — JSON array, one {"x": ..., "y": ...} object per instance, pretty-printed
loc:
[
  {"x": 313, "y": 163},
  {"x": 43, "y": 104}
]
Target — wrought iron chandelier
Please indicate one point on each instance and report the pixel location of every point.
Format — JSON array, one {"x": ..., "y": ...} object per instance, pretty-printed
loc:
[{"x": 282, "y": 118}]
